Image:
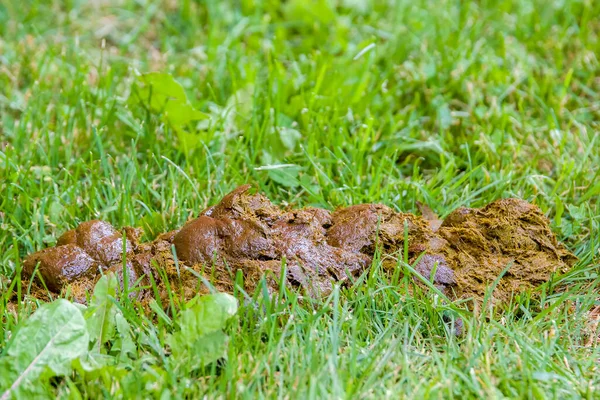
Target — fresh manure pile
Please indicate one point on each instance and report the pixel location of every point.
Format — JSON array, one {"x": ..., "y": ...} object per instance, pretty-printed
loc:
[{"x": 245, "y": 238}]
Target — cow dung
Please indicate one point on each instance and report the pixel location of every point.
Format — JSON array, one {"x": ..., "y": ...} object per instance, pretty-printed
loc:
[{"x": 245, "y": 238}]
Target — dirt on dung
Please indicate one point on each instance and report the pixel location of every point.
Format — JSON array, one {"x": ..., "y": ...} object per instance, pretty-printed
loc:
[{"x": 245, "y": 237}]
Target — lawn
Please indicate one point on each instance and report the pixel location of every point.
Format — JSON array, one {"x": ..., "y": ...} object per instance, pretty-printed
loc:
[{"x": 325, "y": 103}]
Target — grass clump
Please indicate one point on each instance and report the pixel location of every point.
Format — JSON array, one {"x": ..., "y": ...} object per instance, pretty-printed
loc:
[{"x": 325, "y": 103}]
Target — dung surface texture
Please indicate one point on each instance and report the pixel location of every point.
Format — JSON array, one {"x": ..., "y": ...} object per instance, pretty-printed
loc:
[{"x": 245, "y": 238}]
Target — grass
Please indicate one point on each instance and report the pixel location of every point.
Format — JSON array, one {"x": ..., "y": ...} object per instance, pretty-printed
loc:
[{"x": 449, "y": 103}]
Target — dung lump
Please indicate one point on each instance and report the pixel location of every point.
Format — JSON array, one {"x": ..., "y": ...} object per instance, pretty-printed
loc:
[{"x": 245, "y": 234}]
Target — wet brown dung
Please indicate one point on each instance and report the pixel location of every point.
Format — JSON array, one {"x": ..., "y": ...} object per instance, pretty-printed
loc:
[{"x": 246, "y": 234}]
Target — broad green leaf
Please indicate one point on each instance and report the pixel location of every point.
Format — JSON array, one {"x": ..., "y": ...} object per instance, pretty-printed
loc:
[
  {"x": 101, "y": 313},
  {"x": 124, "y": 342},
  {"x": 181, "y": 114},
  {"x": 92, "y": 361},
  {"x": 289, "y": 137},
  {"x": 286, "y": 176},
  {"x": 156, "y": 89},
  {"x": 239, "y": 106},
  {"x": 199, "y": 351},
  {"x": 200, "y": 332},
  {"x": 45, "y": 344},
  {"x": 93, "y": 366},
  {"x": 187, "y": 141},
  {"x": 206, "y": 314},
  {"x": 162, "y": 94}
]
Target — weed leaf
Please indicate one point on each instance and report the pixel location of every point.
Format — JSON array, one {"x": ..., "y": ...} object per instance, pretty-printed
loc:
[
  {"x": 158, "y": 89},
  {"x": 200, "y": 332},
  {"x": 164, "y": 96},
  {"x": 100, "y": 315},
  {"x": 45, "y": 344}
]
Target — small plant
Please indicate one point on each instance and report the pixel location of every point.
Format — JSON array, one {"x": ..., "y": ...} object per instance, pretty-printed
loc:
[
  {"x": 61, "y": 338},
  {"x": 161, "y": 94}
]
